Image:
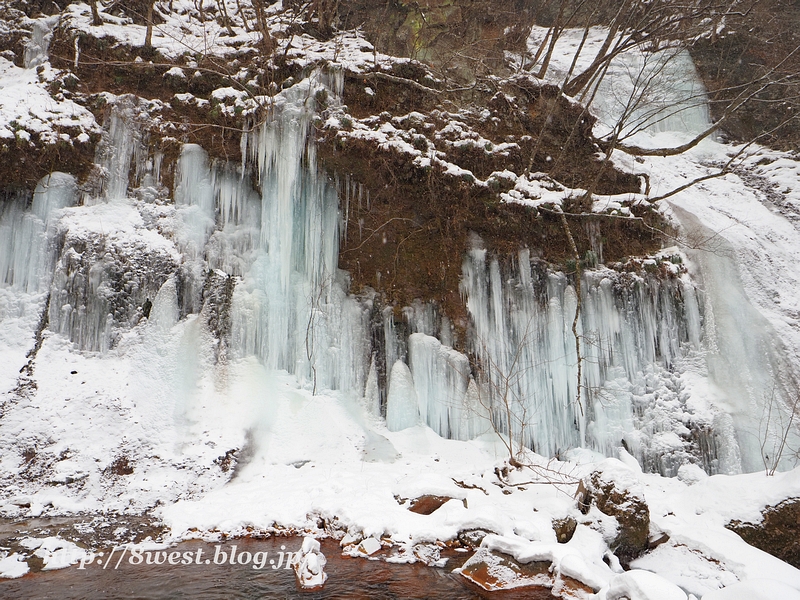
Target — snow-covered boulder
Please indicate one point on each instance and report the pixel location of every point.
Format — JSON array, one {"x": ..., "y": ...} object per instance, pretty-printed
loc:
[
  {"x": 615, "y": 491},
  {"x": 641, "y": 585},
  {"x": 494, "y": 571},
  {"x": 755, "y": 589},
  {"x": 778, "y": 533},
  {"x": 309, "y": 564}
]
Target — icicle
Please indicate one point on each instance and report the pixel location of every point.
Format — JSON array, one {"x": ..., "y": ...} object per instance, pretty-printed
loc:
[
  {"x": 402, "y": 410},
  {"x": 291, "y": 309},
  {"x": 372, "y": 399},
  {"x": 27, "y": 252},
  {"x": 346, "y": 206},
  {"x": 394, "y": 346},
  {"x": 633, "y": 333},
  {"x": 121, "y": 139},
  {"x": 37, "y": 47},
  {"x": 441, "y": 376},
  {"x": 164, "y": 313}
]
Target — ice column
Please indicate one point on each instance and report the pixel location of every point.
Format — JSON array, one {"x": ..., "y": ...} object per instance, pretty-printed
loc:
[
  {"x": 37, "y": 47},
  {"x": 27, "y": 237},
  {"x": 402, "y": 406},
  {"x": 291, "y": 309}
]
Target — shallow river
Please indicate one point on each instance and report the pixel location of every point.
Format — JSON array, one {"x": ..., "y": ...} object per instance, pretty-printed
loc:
[{"x": 350, "y": 578}]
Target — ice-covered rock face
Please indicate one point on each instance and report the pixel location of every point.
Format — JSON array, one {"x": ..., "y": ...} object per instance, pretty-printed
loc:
[
  {"x": 253, "y": 249},
  {"x": 641, "y": 347},
  {"x": 263, "y": 263},
  {"x": 101, "y": 282}
]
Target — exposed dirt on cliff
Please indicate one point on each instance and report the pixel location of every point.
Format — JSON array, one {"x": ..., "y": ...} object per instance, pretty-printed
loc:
[
  {"x": 757, "y": 47},
  {"x": 410, "y": 221}
]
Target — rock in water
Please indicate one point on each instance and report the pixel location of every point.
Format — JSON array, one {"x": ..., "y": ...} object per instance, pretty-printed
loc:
[{"x": 309, "y": 564}]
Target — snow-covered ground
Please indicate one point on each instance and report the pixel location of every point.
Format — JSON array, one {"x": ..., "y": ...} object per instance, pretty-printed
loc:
[{"x": 156, "y": 423}]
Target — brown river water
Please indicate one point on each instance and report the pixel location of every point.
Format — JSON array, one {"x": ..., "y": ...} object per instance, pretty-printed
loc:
[{"x": 351, "y": 578}]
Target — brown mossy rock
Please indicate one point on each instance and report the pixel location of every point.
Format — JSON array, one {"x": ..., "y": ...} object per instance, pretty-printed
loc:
[
  {"x": 619, "y": 496},
  {"x": 497, "y": 571},
  {"x": 427, "y": 504},
  {"x": 778, "y": 533}
]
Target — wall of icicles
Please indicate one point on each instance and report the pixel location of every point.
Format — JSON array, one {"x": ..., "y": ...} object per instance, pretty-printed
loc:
[{"x": 251, "y": 251}]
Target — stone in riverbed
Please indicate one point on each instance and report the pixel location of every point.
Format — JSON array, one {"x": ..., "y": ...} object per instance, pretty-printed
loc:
[
  {"x": 309, "y": 565},
  {"x": 369, "y": 546},
  {"x": 495, "y": 571}
]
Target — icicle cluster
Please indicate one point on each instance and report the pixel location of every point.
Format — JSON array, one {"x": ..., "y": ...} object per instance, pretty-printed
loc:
[
  {"x": 635, "y": 334},
  {"x": 253, "y": 250},
  {"x": 28, "y": 242}
]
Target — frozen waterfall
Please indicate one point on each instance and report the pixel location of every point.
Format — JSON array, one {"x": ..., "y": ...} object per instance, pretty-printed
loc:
[
  {"x": 652, "y": 92},
  {"x": 291, "y": 308},
  {"x": 28, "y": 244},
  {"x": 247, "y": 257},
  {"x": 637, "y": 333}
]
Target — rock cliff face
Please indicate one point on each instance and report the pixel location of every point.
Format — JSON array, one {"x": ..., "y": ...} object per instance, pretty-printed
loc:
[
  {"x": 419, "y": 216},
  {"x": 437, "y": 149},
  {"x": 756, "y": 46},
  {"x": 462, "y": 38},
  {"x": 778, "y": 532}
]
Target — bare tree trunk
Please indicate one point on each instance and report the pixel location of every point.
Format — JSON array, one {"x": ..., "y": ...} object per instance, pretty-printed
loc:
[
  {"x": 556, "y": 29},
  {"x": 226, "y": 21},
  {"x": 582, "y": 79},
  {"x": 96, "y": 20},
  {"x": 244, "y": 17},
  {"x": 577, "y": 337},
  {"x": 148, "y": 36},
  {"x": 551, "y": 108},
  {"x": 326, "y": 11},
  {"x": 267, "y": 43},
  {"x": 541, "y": 48}
]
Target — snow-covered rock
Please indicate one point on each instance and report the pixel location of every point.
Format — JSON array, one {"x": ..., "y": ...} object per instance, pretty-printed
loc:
[
  {"x": 309, "y": 565},
  {"x": 641, "y": 585},
  {"x": 13, "y": 566},
  {"x": 756, "y": 589}
]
